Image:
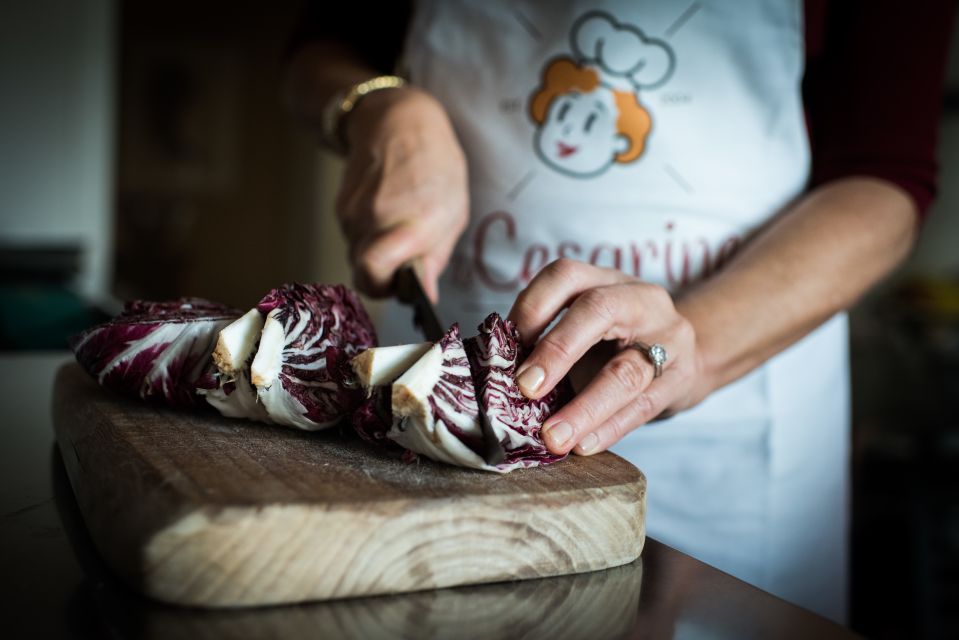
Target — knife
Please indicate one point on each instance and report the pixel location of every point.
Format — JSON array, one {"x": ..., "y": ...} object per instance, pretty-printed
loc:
[{"x": 409, "y": 290}]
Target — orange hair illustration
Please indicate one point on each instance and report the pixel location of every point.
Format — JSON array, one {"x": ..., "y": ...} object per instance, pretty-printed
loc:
[{"x": 564, "y": 76}]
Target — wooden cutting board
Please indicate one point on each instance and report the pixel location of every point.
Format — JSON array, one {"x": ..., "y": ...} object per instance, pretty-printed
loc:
[{"x": 197, "y": 509}]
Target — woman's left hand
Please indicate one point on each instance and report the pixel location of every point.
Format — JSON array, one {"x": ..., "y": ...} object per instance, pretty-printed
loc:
[{"x": 605, "y": 305}]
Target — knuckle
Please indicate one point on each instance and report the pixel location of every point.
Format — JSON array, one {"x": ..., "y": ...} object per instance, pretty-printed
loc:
[
  {"x": 619, "y": 427},
  {"x": 685, "y": 331},
  {"x": 384, "y": 204},
  {"x": 660, "y": 295},
  {"x": 369, "y": 263},
  {"x": 587, "y": 416},
  {"x": 381, "y": 209},
  {"x": 598, "y": 304},
  {"x": 563, "y": 268},
  {"x": 524, "y": 309},
  {"x": 628, "y": 373},
  {"x": 646, "y": 407},
  {"x": 366, "y": 267},
  {"x": 557, "y": 348}
]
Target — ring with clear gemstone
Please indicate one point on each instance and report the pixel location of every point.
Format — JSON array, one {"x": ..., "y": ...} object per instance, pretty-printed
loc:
[{"x": 656, "y": 353}]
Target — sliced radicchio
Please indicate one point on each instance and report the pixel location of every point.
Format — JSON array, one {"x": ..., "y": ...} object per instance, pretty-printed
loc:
[
  {"x": 375, "y": 370},
  {"x": 159, "y": 351},
  {"x": 228, "y": 388},
  {"x": 459, "y": 403},
  {"x": 293, "y": 360},
  {"x": 373, "y": 418},
  {"x": 513, "y": 421},
  {"x": 434, "y": 406},
  {"x": 301, "y": 366}
]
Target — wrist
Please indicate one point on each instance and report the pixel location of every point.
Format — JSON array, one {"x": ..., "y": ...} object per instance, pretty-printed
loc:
[
  {"x": 706, "y": 359},
  {"x": 389, "y": 110},
  {"x": 340, "y": 106}
]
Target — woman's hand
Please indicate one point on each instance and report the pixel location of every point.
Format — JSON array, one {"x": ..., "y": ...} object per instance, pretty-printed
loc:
[
  {"x": 605, "y": 305},
  {"x": 404, "y": 189}
]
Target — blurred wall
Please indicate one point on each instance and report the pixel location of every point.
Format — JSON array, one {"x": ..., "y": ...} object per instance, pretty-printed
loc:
[
  {"x": 151, "y": 136},
  {"x": 329, "y": 259},
  {"x": 216, "y": 183},
  {"x": 56, "y": 130}
]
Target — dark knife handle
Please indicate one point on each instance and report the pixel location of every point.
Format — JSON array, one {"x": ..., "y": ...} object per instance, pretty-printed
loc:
[{"x": 409, "y": 290}]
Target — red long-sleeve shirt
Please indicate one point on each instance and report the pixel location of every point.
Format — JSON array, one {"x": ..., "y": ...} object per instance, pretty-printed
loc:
[{"x": 873, "y": 90}]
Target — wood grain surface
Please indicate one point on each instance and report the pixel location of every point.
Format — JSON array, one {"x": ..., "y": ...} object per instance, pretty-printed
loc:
[{"x": 196, "y": 509}]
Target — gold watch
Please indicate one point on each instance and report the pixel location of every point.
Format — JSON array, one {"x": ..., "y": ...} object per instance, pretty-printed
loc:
[{"x": 343, "y": 102}]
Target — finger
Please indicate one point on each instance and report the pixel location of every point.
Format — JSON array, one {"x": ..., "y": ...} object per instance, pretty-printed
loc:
[
  {"x": 430, "y": 278},
  {"x": 608, "y": 313},
  {"x": 378, "y": 258},
  {"x": 435, "y": 260},
  {"x": 433, "y": 264},
  {"x": 647, "y": 406},
  {"x": 354, "y": 211},
  {"x": 363, "y": 221},
  {"x": 624, "y": 379},
  {"x": 553, "y": 289},
  {"x": 354, "y": 230},
  {"x": 367, "y": 212}
]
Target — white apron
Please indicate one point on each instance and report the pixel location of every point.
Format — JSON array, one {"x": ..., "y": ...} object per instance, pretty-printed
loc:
[{"x": 655, "y": 137}]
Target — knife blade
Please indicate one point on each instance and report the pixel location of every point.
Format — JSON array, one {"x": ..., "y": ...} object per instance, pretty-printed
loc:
[{"x": 409, "y": 290}]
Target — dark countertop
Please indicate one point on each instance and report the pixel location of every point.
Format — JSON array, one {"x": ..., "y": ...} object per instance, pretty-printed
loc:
[{"x": 55, "y": 585}]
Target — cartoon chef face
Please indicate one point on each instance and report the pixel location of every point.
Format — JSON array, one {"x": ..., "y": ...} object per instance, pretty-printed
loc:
[
  {"x": 583, "y": 126},
  {"x": 579, "y": 136}
]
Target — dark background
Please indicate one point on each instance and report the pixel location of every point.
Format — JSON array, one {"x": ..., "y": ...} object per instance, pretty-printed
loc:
[{"x": 145, "y": 152}]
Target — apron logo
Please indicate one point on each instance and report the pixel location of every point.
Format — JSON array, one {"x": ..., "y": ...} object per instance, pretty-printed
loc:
[{"x": 587, "y": 111}]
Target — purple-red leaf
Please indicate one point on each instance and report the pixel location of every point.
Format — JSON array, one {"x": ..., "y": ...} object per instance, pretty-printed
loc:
[
  {"x": 512, "y": 420},
  {"x": 159, "y": 351},
  {"x": 302, "y": 362}
]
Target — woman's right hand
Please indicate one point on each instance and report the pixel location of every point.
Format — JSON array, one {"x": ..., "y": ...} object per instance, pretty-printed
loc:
[{"x": 404, "y": 190}]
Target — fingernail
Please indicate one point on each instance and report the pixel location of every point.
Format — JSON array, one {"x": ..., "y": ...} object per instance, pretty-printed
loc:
[
  {"x": 559, "y": 433},
  {"x": 531, "y": 379},
  {"x": 588, "y": 443}
]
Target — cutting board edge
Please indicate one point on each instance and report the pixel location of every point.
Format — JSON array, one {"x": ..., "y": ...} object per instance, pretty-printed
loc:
[
  {"x": 164, "y": 580},
  {"x": 170, "y": 598}
]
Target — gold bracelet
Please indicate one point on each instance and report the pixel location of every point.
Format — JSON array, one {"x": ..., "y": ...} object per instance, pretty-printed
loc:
[{"x": 342, "y": 103}]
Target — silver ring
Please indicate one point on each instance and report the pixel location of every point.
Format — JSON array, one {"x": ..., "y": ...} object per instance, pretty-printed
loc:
[{"x": 656, "y": 354}]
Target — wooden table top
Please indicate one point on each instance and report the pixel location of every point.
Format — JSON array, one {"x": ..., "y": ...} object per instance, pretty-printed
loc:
[{"x": 56, "y": 585}]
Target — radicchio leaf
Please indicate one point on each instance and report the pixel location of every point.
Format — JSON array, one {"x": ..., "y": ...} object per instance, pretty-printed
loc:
[
  {"x": 302, "y": 363},
  {"x": 229, "y": 389},
  {"x": 434, "y": 406},
  {"x": 373, "y": 418},
  {"x": 375, "y": 370},
  {"x": 235, "y": 398},
  {"x": 459, "y": 403},
  {"x": 513, "y": 421},
  {"x": 159, "y": 351}
]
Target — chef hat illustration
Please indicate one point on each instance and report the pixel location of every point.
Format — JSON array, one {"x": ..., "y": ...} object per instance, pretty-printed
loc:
[{"x": 624, "y": 56}]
